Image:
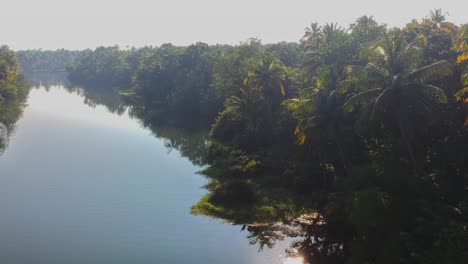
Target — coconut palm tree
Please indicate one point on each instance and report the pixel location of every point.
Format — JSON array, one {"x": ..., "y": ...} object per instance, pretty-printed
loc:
[
  {"x": 394, "y": 84},
  {"x": 437, "y": 17},
  {"x": 330, "y": 30},
  {"x": 319, "y": 113},
  {"x": 268, "y": 77},
  {"x": 312, "y": 36}
]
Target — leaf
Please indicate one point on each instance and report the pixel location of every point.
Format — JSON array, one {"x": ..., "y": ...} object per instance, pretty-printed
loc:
[
  {"x": 283, "y": 91},
  {"x": 246, "y": 80},
  {"x": 462, "y": 94},
  {"x": 302, "y": 139},
  {"x": 297, "y": 131},
  {"x": 464, "y": 78},
  {"x": 319, "y": 83},
  {"x": 463, "y": 57}
]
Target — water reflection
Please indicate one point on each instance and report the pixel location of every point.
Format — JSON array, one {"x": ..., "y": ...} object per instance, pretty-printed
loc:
[
  {"x": 93, "y": 96},
  {"x": 10, "y": 113},
  {"x": 306, "y": 244},
  {"x": 3, "y": 137},
  {"x": 311, "y": 240},
  {"x": 82, "y": 185},
  {"x": 47, "y": 80},
  {"x": 100, "y": 96},
  {"x": 190, "y": 142}
]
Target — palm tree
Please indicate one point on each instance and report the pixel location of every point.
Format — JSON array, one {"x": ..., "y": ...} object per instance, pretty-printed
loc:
[
  {"x": 268, "y": 77},
  {"x": 394, "y": 84},
  {"x": 330, "y": 31},
  {"x": 319, "y": 109},
  {"x": 437, "y": 17},
  {"x": 327, "y": 48},
  {"x": 312, "y": 36},
  {"x": 319, "y": 112}
]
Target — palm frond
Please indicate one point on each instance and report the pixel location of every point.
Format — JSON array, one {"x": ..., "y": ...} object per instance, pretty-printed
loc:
[
  {"x": 376, "y": 52},
  {"x": 378, "y": 69},
  {"x": 438, "y": 92},
  {"x": 464, "y": 78},
  {"x": 410, "y": 55},
  {"x": 358, "y": 85},
  {"x": 380, "y": 102},
  {"x": 431, "y": 72},
  {"x": 359, "y": 72},
  {"x": 430, "y": 91},
  {"x": 460, "y": 95},
  {"x": 307, "y": 92},
  {"x": 363, "y": 78},
  {"x": 360, "y": 99}
]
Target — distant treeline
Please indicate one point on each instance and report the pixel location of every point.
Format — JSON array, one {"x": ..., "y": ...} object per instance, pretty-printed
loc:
[
  {"x": 33, "y": 61},
  {"x": 359, "y": 134}
]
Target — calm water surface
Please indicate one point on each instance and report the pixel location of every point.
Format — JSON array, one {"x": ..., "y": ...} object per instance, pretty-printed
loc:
[{"x": 79, "y": 184}]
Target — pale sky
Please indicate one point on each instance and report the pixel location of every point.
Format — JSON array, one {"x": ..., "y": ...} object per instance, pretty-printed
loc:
[{"x": 80, "y": 24}]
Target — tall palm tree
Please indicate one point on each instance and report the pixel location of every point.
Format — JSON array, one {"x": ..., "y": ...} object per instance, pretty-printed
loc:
[
  {"x": 312, "y": 36},
  {"x": 267, "y": 77},
  {"x": 319, "y": 112},
  {"x": 394, "y": 84},
  {"x": 330, "y": 30},
  {"x": 437, "y": 17},
  {"x": 327, "y": 48}
]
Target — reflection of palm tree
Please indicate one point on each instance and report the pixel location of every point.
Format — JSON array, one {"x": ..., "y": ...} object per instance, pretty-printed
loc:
[
  {"x": 3, "y": 136},
  {"x": 263, "y": 235},
  {"x": 394, "y": 84}
]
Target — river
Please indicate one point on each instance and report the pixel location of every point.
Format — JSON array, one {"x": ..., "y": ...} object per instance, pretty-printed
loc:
[{"x": 82, "y": 184}]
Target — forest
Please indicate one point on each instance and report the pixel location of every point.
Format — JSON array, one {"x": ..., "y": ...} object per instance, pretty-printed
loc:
[{"x": 351, "y": 140}]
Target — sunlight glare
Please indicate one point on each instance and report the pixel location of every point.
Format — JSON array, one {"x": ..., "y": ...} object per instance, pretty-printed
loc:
[{"x": 294, "y": 260}]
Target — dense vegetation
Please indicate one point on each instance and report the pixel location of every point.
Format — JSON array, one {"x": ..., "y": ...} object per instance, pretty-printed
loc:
[
  {"x": 13, "y": 93},
  {"x": 170, "y": 83},
  {"x": 380, "y": 120},
  {"x": 355, "y": 137}
]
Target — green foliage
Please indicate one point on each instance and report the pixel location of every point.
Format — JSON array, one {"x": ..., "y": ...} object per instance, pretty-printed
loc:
[
  {"x": 231, "y": 67},
  {"x": 174, "y": 83},
  {"x": 13, "y": 92},
  {"x": 372, "y": 111},
  {"x": 356, "y": 135}
]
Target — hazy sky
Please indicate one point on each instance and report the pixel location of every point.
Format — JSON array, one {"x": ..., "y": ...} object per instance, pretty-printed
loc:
[{"x": 80, "y": 24}]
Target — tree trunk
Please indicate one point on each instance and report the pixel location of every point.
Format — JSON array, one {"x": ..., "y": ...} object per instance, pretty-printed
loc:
[{"x": 405, "y": 138}]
